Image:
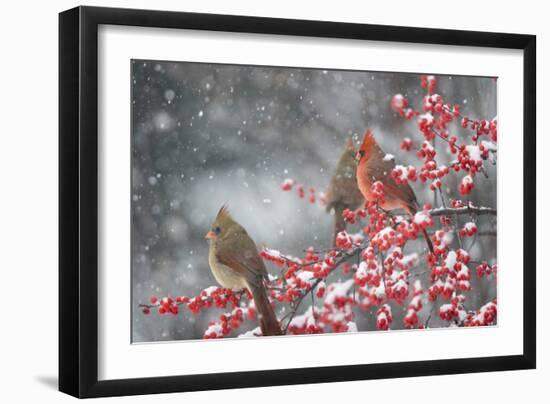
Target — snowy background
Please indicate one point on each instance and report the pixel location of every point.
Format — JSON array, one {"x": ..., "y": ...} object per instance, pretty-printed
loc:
[{"x": 206, "y": 134}]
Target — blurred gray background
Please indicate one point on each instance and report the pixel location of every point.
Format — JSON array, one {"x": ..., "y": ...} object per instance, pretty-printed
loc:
[{"x": 206, "y": 134}]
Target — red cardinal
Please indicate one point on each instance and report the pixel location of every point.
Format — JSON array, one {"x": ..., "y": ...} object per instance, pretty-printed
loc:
[{"x": 375, "y": 165}]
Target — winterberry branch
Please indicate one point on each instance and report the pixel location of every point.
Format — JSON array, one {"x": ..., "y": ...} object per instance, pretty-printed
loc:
[{"x": 466, "y": 210}]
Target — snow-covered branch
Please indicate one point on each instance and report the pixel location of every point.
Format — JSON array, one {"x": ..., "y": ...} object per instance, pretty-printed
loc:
[{"x": 466, "y": 210}]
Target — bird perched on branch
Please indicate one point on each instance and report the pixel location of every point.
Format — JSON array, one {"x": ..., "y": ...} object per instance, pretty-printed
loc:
[
  {"x": 342, "y": 192},
  {"x": 375, "y": 165},
  {"x": 236, "y": 264}
]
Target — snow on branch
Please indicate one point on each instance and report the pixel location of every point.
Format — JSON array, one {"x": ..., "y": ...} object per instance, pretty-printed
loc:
[{"x": 466, "y": 210}]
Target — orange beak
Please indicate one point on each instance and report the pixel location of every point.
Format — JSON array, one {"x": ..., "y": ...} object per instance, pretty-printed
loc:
[{"x": 210, "y": 235}]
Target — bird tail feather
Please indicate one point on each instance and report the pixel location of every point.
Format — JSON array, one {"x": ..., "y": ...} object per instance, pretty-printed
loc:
[
  {"x": 266, "y": 316},
  {"x": 339, "y": 223}
]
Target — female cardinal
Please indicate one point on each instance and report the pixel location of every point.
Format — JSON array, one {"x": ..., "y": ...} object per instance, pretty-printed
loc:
[
  {"x": 236, "y": 264},
  {"x": 375, "y": 165},
  {"x": 342, "y": 192}
]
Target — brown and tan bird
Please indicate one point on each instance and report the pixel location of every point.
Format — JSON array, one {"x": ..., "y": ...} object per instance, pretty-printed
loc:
[
  {"x": 236, "y": 264},
  {"x": 342, "y": 192}
]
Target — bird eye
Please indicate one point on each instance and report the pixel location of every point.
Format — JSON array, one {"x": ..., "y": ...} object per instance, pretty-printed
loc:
[{"x": 217, "y": 230}]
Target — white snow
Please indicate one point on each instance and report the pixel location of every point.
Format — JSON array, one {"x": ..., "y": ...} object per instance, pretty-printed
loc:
[
  {"x": 409, "y": 260},
  {"x": 362, "y": 270},
  {"x": 421, "y": 217},
  {"x": 467, "y": 179},
  {"x": 445, "y": 308},
  {"x": 489, "y": 145},
  {"x": 400, "y": 285},
  {"x": 305, "y": 319},
  {"x": 450, "y": 261},
  {"x": 474, "y": 152},
  {"x": 404, "y": 171},
  {"x": 338, "y": 289},
  {"x": 256, "y": 332},
  {"x": 387, "y": 231},
  {"x": 169, "y": 95},
  {"x": 214, "y": 329},
  {"x": 305, "y": 276},
  {"x": 352, "y": 327},
  {"x": 209, "y": 290},
  {"x": 428, "y": 117},
  {"x": 380, "y": 291}
]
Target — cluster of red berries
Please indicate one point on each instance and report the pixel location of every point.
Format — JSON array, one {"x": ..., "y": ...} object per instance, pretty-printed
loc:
[
  {"x": 273, "y": 256},
  {"x": 398, "y": 290},
  {"x": 428, "y": 82},
  {"x": 469, "y": 230},
  {"x": 426, "y": 125},
  {"x": 166, "y": 305},
  {"x": 369, "y": 270},
  {"x": 484, "y": 269},
  {"x": 228, "y": 322},
  {"x": 486, "y": 315},
  {"x": 431, "y": 171},
  {"x": 301, "y": 275},
  {"x": 415, "y": 305},
  {"x": 351, "y": 216},
  {"x": 426, "y": 151},
  {"x": 437, "y": 117},
  {"x": 456, "y": 271},
  {"x": 311, "y": 255},
  {"x": 402, "y": 174},
  {"x": 214, "y": 297},
  {"x": 306, "y": 323},
  {"x": 338, "y": 314},
  {"x": 406, "y": 144},
  {"x": 400, "y": 105},
  {"x": 344, "y": 240},
  {"x": 466, "y": 185},
  {"x": 384, "y": 317},
  {"x": 388, "y": 237},
  {"x": 378, "y": 219},
  {"x": 321, "y": 289},
  {"x": 441, "y": 239},
  {"x": 452, "y": 310},
  {"x": 483, "y": 127},
  {"x": 396, "y": 271},
  {"x": 210, "y": 297},
  {"x": 377, "y": 191},
  {"x": 288, "y": 184}
]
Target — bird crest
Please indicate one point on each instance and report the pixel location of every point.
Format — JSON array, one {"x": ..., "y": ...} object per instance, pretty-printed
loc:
[
  {"x": 349, "y": 143},
  {"x": 368, "y": 140},
  {"x": 224, "y": 214}
]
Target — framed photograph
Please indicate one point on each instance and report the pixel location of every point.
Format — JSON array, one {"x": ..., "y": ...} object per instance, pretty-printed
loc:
[{"x": 251, "y": 201}]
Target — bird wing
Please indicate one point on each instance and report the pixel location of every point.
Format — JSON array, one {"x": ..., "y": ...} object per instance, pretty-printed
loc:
[
  {"x": 239, "y": 253},
  {"x": 342, "y": 189},
  {"x": 380, "y": 169}
]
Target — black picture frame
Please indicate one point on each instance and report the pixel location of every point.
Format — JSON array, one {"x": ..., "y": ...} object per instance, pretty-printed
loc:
[{"x": 78, "y": 200}]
